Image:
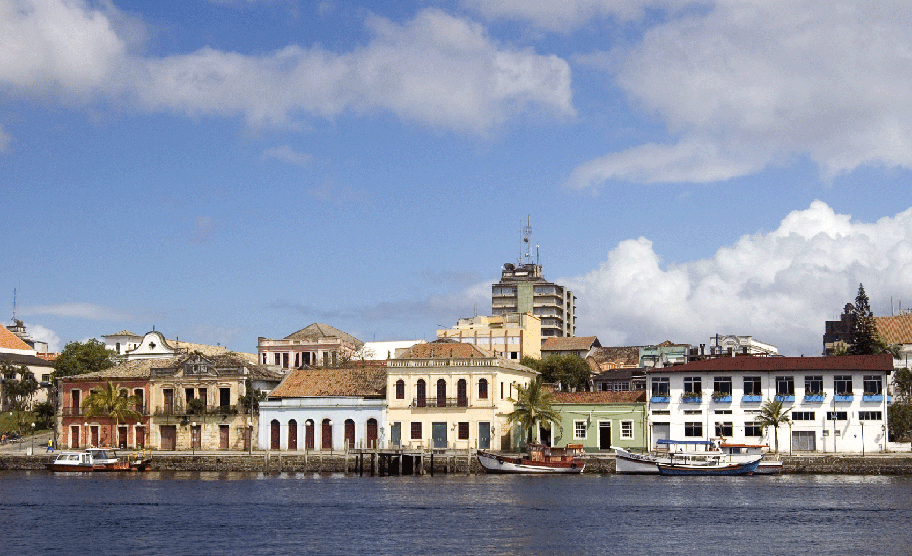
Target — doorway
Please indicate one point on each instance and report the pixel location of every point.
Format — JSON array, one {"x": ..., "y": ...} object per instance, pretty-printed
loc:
[{"x": 604, "y": 435}]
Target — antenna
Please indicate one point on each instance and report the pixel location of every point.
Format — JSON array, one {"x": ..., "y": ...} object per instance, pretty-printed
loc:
[
  {"x": 14, "y": 304},
  {"x": 526, "y": 258}
]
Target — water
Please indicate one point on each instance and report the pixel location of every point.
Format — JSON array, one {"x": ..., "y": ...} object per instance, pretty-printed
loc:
[{"x": 254, "y": 514}]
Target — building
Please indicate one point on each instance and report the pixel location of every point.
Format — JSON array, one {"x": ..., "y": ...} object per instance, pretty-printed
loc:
[
  {"x": 664, "y": 354},
  {"x": 580, "y": 346},
  {"x": 600, "y": 420},
  {"x": 897, "y": 330},
  {"x": 154, "y": 345},
  {"x": 384, "y": 350},
  {"x": 317, "y": 345},
  {"x": 839, "y": 332},
  {"x": 15, "y": 351},
  {"x": 616, "y": 369},
  {"x": 18, "y": 328},
  {"x": 731, "y": 345},
  {"x": 445, "y": 394},
  {"x": 836, "y": 404},
  {"x": 508, "y": 335},
  {"x": 326, "y": 409}
]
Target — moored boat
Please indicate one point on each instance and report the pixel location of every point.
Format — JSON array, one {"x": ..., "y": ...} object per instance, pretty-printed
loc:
[
  {"x": 708, "y": 465},
  {"x": 540, "y": 460},
  {"x": 627, "y": 462},
  {"x": 97, "y": 459},
  {"x": 770, "y": 464}
]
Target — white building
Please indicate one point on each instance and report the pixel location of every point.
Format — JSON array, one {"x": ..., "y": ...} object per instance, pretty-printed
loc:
[
  {"x": 733, "y": 345},
  {"x": 836, "y": 404}
]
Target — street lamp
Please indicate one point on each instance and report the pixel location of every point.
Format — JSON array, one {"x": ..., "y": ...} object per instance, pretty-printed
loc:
[
  {"x": 33, "y": 438},
  {"x": 192, "y": 437},
  {"x": 249, "y": 436}
]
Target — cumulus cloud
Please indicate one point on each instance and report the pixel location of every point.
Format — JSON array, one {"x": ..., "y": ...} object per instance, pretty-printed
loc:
[
  {"x": 81, "y": 310},
  {"x": 747, "y": 84},
  {"x": 44, "y": 334},
  {"x": 286, "y": 154},
  {"x": 778, "y": 287}
]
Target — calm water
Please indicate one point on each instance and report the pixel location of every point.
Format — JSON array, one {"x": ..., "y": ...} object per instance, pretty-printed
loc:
[{"x": 252, "y": 514}]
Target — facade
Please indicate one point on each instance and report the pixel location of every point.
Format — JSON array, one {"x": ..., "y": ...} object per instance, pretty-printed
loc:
[
  {"x": 317, "y": 345},
  {"x": 18, "y": 329},
  {"x": 581, "y": 346},
  {"x": 600, "y": 420},
  {"x": 388, "y": 349},
  {"x": 732, "y": 345},
  {"x": 616, "y": 369},
  {"x": 523, "y": 289},
  {"x": 839, "y": 332},
  {"x": 154, "y": 345},
  {"x": 326, "y": 409},
  {"x": 508, "y": 335},
  {"x": 664, "y": 354},
  {"x": 445, "y": 394},
  {"x": 836, "y": 404},
  {"x": 15, "y": 351}
]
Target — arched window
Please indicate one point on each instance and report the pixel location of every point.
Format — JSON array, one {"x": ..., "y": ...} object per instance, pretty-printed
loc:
[
  {"x": 462, "y": 398},
  {"x": 400, "y": 389},
  {"x": 274, "y": 436},
  {"x": 292, "y": 435},
  {"x": 371, "y": 435},
  {"x": 441, "y": 393},
  {"x": 420, "y": 393},
  {"x": 326, "y": 435},
  {"x": 349, "y": 434},
  {"x": 483, "y": 389}
]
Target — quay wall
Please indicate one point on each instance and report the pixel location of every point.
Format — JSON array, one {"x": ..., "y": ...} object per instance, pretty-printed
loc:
[{"x": 276, "y": 462}]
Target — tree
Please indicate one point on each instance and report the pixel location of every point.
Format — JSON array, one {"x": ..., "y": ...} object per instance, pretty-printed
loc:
[
  {"x": 251, "y": 400},
  {"x": 570, "y": 370},
  {"x": 80, "y": 358},
  {"x": 864, "y": 330},
  {"x": 900, "y": 411},
  {"x": 44, "y": 414},
  {"x": 531, "y": 407},
  {"x": 111, "y": 401},
  {"x": 772, "y": 414},
  {"x": 19, "y": 387}
]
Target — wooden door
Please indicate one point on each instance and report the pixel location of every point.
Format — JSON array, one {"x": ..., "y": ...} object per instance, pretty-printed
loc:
[
  {"x": 122, "y": 437},
  {"x": 196, "y": 437},
  {"x": 349, "y": 434},
  {"x": 168, "y": 437},
  {"x": 604, "y": 435},
  {"x": 371, "y": 433},
  {"x": 74, "y": 436},
  {"x": 140, "y": 433},
  {"x": 308, "y": 435},
  {"x": 441, "y": 393},
  {"x": 292, "y": 435},
  {"x": 169, "y": 400},
  {"x": 326, "y": 436},
  {"x": 274, "y": 435},
  {"x": 94, "y": 431},
  {"x": 224, "y": 436}
]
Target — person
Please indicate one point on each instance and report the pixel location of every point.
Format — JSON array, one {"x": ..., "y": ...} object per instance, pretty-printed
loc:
[
  {"x": 3, "y": 439},
  {"x": 50, "y": 446}
]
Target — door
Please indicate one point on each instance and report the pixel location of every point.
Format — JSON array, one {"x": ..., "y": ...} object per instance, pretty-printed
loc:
[
  {"x": 308, "y": 435},
  {"x": 804, "y": 441},
  {"x": 140, "y": 437},
  {"x": 326, "y": 435},
  {"x": 396, "y": 434},
  {"x": 169, "y": 400},
  {"x": 604, "y": 435},
  {"x": 439, "y": 435},
  {"x": 484, "y": 435},
  {"x": 122, "y": 437},
  {"x": 94, "y": 431},
  {"x": 224, "y": 436},
  {"x": 168, "y": 437},
  {"x": 371, "y": 433},
  {"x": 274, "y": 432},
  {"x": 196, "y": 437},
  {"x": 74, "y": 436},
  {"x": 349, "y": 434},
  {"x": 292, "y": 435},
  {"x": 660, "y": 431}
]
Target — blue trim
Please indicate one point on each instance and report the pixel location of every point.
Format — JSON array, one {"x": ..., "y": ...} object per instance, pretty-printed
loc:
[
  {"x": 785, "y": 398},
  {"x": 816, "y": 398},
  {"x": 660, "y": 399},
  {"x": 874, "y": 398},
  {"x": 848, "y": 398},
  {"x": 723, "y": 399},
  {"x": 692, "y": 400},
  {"x": 749, "y": 399},
  {"x": 698, "y": 442}
]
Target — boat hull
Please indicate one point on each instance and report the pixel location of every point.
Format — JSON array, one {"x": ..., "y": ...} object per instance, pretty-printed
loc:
[
  {"x": 746, "y": 468},
  {"x": 629, "y": 463},
  {"x": 496, "y": 464}
]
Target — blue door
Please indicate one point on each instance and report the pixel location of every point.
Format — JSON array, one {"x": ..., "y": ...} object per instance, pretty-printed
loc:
[
  {"x": 484, "y": 435},
  {"x": 396, "y": 434},
  {"x": 439, "y": 434}
]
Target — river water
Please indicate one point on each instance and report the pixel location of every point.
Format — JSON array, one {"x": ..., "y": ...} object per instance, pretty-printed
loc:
[{"x": 254, "y": 514}]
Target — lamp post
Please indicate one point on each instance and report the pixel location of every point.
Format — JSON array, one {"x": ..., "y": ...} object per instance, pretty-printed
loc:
[
  {"x": 33, "y": 438},
  {"x": 193, "y": 437},
  {"x": 249, "y": 436}
]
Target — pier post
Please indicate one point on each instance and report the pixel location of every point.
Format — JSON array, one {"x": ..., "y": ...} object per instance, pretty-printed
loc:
[
  {"x": 373, "y": 455},
  {"x": 432, "y": 463}
]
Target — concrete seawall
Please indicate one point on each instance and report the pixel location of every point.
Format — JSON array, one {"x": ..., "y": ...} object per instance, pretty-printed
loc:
[{"x": 276, "y": 462}]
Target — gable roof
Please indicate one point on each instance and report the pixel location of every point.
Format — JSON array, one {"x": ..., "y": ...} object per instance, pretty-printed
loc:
[
  {"x": 598, "y": 397},
  {"x": 318, "y": 330},
  {"x": 573, "y": 343},
  {"x": 137, "y": 368},
  {"x": 10, "y": 341},
  {"x": 361, "y": 381},
  {"x": 896, "y": 329},
  {"x": 123, "y": 332},
  {"x": 446, "y": 349},
  {"x": 750, "y": 363},
  {"x": 28, "y": 360}
]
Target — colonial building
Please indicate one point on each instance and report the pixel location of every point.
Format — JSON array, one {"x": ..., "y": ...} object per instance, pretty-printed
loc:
[
  {"x": 509, "y": 335},
  {"x": 326, "y": 409},
  {"x": 445, "y": 394},
  {"x": 836, "y": 404},
  {"x": 154, "y": 345},
  {"x": 317, "y": 345},
  {"x": 616, "y": 369},
  {"x": 600, "y": 420},
  {"x": 15, "y": 351}
]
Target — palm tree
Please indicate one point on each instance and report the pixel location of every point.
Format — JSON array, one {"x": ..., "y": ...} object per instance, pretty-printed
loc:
[
  {"x": 111, "y": 401},
  {"x": 531, "y": 407},
  {"x": 772, "y": 414}
]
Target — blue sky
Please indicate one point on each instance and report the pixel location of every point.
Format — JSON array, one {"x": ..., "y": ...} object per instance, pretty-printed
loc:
[{"x": 225, "y": 170}]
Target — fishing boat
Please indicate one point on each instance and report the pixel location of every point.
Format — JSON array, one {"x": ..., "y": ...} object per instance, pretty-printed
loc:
[
  {"x": 98, "y": 459},
  {"x": 713, "y": 464},
  {"x": 770, "y": 464},
  {"x": 541, "y": 459},
  {"x": 627, "y": 462}
]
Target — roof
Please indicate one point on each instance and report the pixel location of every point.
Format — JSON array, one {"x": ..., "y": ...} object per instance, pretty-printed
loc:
[
  {"x": 613, "y": 357},
  {"x": 438, "y": 349},
  {"x": 598, "y": 397},
  {"x": 23, "y": 359},
  {"x": 137, "y": 368},
  {"x": 360, "y": 381},
  {"x": 625, "y": 373},
  {"x": 573, "y": 343},
  {"x": 896, "y": 329},
  {"x": 124, "y": 332},
  {"x": 8, "y": 340},
  {"x": 318, "y": 330},
  {"x": 750, "y": 363}
]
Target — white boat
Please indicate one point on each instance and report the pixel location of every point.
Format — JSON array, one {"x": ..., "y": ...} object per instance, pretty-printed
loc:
[
  {"x": 770, "y": 464},
  {"x": 708, "y": 464},
  {"x": 96, "y": 459},
  {"x": 540, "y": 460},
  {"x": 627, "y": 462}
]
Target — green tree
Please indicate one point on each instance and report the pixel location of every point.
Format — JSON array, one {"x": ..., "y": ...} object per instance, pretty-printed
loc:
[
  {"x": 113, "y": 402},
  {"x": 532, "y": 407},
  {"x": 44, "y": 414},
  {"x": 773, "y": 414},
  {"x": 78, "y": 358},
  {"x": 570, "y": 370},
  {"x": 900, "y": 411},
  {"x": 864, "y": 330},
  {"x": 19, "y": 388}
]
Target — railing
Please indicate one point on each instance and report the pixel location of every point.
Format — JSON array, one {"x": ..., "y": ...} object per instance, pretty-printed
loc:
[
  {"x": 180, "y": 410},
  {"x": 444, "y": 402}
]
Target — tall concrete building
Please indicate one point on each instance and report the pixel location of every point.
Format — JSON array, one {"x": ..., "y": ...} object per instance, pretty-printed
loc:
[{"x": 523, "y": 288}]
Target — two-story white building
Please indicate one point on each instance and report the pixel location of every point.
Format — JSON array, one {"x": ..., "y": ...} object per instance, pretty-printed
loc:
[{"x": 836, "y": 404}]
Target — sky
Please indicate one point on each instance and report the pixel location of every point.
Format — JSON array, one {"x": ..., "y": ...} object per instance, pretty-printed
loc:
[{"x": 223, "y": 170}]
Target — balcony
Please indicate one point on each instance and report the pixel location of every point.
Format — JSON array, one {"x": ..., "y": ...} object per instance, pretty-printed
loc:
[
  {"x": 785, "y": 397},
  {"x": 844, "y": 397},
  {"x": 78, "y": 411},
  {"x": 872, "y": 398},
  {"x": 440, "y": 402},
  {"x": 180, "y": 410},
  {"x": 811, "y": 398},
  {"x": 722, "y": 398},
  {"x": 660, "y": 399},
  {"x": 751, "y": 398},
  {"x": 691, "y": 397}
]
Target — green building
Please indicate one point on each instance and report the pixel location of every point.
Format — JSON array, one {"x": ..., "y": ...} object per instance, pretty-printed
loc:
[{"x": 600, "y": 420}]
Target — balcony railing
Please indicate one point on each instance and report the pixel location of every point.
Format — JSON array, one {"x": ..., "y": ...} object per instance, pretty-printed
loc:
[
  {"x": 180, "y": 410},
  {"x": 77, "y": 411},
  {"x": 443, "y": 402}
]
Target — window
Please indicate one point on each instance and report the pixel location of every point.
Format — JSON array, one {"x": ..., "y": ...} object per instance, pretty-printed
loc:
[
  {"x": 660, "y": 387},
  {"x": 190, "y": 394},
  {"x": 752, "y": 386},
  {"x": 802, "y": 416},
  {"x": 661, "y": 412},
  {"x": 785, "y": 386},
  {"x": 723, "y": 412},
  {"x": 441, "y": 393},
  {"x": 277, "y": 357},
  {"x": 870, "y": 416},
  {"x": 724, "y": 429},
  {"x": 752, "y": 428},
  {"x": 463, "y": 430},
  {"x": 462, "y": 397},
  {"x": 579, "y": 430},
  {"x": 843, "y": 385},
  {"x": 626, "y": 429},
  {"x": 837, "y": 416},
  {"x": 420, "y": 393},
  {"x": 723, "y": 385},
  {"x": 813, "y": 385},
  {"x": 693, "y": 412},
  {"x": 693, "y": 428},
  {"x": 483, "y": 389},
  {"x": 873, "y": 385},
  {"x": 693, "y": 385},
  {"x": 400, "y": 389},
  {"x": 416, "y": 430}
]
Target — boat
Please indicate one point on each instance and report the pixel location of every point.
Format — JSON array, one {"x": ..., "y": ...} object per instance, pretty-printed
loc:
[
  {"x": 541, "y": 459},
  {"x": 713, "y": 464},
  {"x": 98, "y": 459},
  {"x": 770, "y": 464},
  {"x": 627, "y": 462}
]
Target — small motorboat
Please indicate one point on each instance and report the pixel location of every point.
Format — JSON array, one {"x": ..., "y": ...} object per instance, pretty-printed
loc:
[
  {"x": 770, "y": 464},
  {"x": 98, "y": 459},
  {"x": 541, "y": 459},
  {"x": 713, "y": 464},
  {"x": 628, "y": 462}
]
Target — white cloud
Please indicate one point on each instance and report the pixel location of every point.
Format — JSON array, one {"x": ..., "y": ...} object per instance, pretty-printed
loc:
[
  {"x": 5, "y": 139},
  {"x": 568, "y": 14},
  {"x": 779, "y": 287},
  {"x": 88, "y": 311},
  {"x": 749, "y": 84},
  {"x": 44, "y": 334},
  {"x": 286, "y": 154}
]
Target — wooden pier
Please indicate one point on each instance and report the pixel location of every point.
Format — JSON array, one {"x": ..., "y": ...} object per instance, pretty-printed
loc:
[{"x": 389, "y": 462}]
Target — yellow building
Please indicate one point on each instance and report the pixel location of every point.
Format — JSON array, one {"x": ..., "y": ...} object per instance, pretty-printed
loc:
[
  {"x": 446, "y": 394},
  {"x": 511, "y": 335}
]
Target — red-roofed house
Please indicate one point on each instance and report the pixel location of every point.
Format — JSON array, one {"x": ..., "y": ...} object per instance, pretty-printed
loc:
[{"x": 600, "y": 420}]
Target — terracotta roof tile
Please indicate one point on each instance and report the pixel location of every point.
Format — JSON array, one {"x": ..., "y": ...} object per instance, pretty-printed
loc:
[
  {"x": 8, "y": 340},
  {"x": 432, "y": 350},
  {"x": 895, "y": 330},
  {"x": 614, "y": 357},
  {"x": 573, "y": 343},
  {"x": 598, "y": 397},
  {"x": 361, "y": 381},
  {"x": 23, "y": 359},
  {"x": 748, "y": 363}
]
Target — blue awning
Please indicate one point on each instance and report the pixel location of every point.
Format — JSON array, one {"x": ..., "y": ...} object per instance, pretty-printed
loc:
[{"x": 696, "y": 442}]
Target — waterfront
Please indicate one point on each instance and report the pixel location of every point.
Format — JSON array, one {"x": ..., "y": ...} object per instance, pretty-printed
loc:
[{"x": 252, "y": 513}]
